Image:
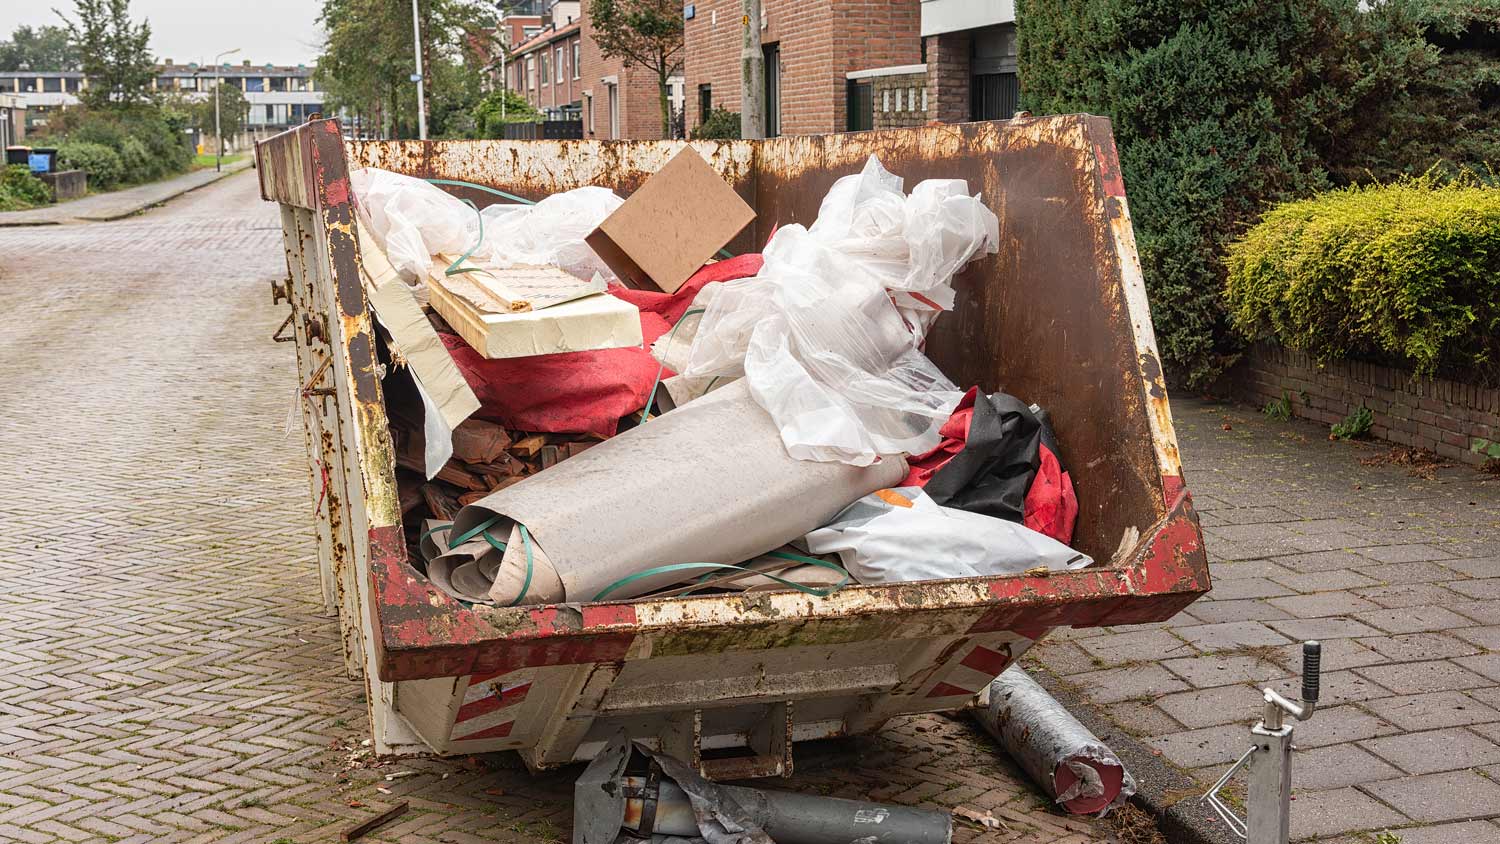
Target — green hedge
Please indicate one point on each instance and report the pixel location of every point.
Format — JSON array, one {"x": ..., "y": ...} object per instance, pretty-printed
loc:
[
  {"x": 1406, "y": 272},
  {"x": 20, "y": 190},
  {"x": 102, "y": 164}
]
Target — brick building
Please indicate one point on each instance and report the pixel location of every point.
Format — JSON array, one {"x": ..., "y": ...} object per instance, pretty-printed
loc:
[
  {"x": 561, "y": 70},
  {"x": 848, "y": 66},
  {"x": 810, "y": 49},
  {"x": 546, "y": 70},
  {"x": 970, "y": 48}
]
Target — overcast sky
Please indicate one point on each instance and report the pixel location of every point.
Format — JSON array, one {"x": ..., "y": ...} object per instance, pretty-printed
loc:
[{"x": 278, "y": 31}]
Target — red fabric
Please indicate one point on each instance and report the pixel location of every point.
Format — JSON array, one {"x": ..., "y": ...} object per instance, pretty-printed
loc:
[
  {"x": 585, "y": 392},
  {"x": 671, "y": 306},
  {"x": 955, "y": 433},
  {"x": 1051, "y": 506}
]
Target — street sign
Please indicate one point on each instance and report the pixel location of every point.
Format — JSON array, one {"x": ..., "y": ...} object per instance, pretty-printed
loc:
[
  {"x": 416, "y": 77},
  {"x": 689, "y": 11}
]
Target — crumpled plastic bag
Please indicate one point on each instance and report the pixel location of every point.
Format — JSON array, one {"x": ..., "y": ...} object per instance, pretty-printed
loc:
[
  {"x": 412, "y": 220},
  {"x": 549, "y": 232},
  {"x": 901, "y": 534},
  {"x": 827, "y": 333}
]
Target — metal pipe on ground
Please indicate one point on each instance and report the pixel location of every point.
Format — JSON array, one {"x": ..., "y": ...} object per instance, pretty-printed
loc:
[
  {"x": 1070, "y": 763},
  {"x": 790, "y": 818}
]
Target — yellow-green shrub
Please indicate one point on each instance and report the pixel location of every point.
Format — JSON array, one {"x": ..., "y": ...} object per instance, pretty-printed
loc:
[{"x": 1406, "y": 272}]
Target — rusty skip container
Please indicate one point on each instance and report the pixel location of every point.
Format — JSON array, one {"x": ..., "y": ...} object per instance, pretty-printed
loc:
[{"x": 1058, "y": 317}]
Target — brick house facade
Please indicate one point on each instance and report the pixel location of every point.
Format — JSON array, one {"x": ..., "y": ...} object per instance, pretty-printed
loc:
[
  {"x": 814, "y": 46},
  {"x": 546, "y": 70}
]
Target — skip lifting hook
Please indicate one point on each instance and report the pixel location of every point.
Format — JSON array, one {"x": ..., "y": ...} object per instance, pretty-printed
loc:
[{"x": 1268, "y": 762}]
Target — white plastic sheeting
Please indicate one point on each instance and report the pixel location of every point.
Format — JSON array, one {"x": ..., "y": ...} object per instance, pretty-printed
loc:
[
  {"x": 413, "y": 220},
  {"x": 898, "y": 535},
  {"x": 827, "y": 333}
]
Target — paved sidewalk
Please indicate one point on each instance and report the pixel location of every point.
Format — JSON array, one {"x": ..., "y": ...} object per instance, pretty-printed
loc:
[
  {"x": 1397, "y": 574},
  {"x": 166, "y": 671},
  {"x": 115, "y": 205}
]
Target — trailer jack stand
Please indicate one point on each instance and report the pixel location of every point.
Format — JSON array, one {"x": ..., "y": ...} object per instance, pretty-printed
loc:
[{"x": 1268, "y": 762}]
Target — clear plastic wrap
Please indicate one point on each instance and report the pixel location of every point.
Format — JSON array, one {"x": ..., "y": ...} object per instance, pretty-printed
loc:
[
  {"x": 827, "y": 334},
  {"x": 549, "y": 232},
  {"x": 412, "y": 220}
]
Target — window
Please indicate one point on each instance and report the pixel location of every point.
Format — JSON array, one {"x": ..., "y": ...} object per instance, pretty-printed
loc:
[
  {"x": 575, "y": 59},
  {"x": 530, "y": 73},
  {"x": 588, "y": 109},
  {"x": 73, "y": 84},
  {"x": 52, "y": 84},
  {"x": 705, "y": 101},
  {"x": 557, "y": 63},
  {"x": 924, "y": 99},
  {"x": 543, "y": 58},
  {"x": 860, "y": 102},
  {"x": 899, "y": 92},
  {"x": 885, "y": 100},
  {"x": 164, "y": 83},
  {"x": 911, "y": 98},
  {"x": 255, "y": 84},
  {"x": 278, "y": 83},
  {"x": 270, "y": 113}
]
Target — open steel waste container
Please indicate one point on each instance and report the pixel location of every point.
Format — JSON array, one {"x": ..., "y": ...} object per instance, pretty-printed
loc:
[{"x": 1059, "y": 317}]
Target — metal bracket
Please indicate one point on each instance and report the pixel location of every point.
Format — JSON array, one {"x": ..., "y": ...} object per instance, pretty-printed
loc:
[
  {"x": 281, "y": 290},
  {"x": 284, "y": 338}
]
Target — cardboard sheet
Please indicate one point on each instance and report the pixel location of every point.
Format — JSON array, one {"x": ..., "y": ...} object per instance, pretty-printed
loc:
[
  {"x": 707, "y": 482},
  {"x": 594, "y": 322},
  {"x": 672, "y": 225}
]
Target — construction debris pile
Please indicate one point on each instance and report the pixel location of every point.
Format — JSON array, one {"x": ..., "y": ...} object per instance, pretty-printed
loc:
[{"x": 591, "y": 399}]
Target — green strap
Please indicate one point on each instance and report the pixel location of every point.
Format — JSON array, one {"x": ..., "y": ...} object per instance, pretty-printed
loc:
[
  {"x": 810, "y": 590},
  {"x": 486, "y": 188},
  {"x": 525, "y": 584},
  {"x": 453, "y": 267},
  {"x": 651, "y": 399},
  {"x": 483, "y": 529}
]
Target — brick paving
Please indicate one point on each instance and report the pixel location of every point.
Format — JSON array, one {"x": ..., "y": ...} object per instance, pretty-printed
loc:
[
  {"x": 166, "y": 671},
  {"x": 121, "y": 203},
  {"x": 1398, "y": 574}
]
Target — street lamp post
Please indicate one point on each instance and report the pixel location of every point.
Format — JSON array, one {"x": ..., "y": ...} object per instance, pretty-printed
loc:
[
  {"x": 218, "y": 80},
  {"x": 416, "y": 28}
]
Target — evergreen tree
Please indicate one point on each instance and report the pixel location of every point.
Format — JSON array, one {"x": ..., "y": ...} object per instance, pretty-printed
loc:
[{"x": 1219, "y": 107}]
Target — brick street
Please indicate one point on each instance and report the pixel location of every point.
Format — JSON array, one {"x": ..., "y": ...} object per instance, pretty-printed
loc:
[
  {"x": 168, "y": 673},
  {"x": 1398, "y": 575}
]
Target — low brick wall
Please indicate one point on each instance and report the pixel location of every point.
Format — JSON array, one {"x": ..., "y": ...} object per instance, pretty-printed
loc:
[{"x": 1434, "y": 413}]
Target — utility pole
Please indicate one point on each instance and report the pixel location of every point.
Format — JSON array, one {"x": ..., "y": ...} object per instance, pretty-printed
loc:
[
  {"x": 752, "y": 73},
  {"x": 416, "y": 28},
  {"x": 218, "y": 80}
]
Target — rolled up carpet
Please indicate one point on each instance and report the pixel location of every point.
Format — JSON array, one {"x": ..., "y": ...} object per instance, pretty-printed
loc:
[
  {"x": 708, "y": 483},
  {"x": 1070, "y": 763}
]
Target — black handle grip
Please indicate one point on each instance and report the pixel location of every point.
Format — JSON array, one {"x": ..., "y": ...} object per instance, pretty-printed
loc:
[{"x": 1312, "y": 666}]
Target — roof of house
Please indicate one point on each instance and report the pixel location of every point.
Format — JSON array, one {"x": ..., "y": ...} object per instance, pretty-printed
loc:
[{"x": 546, "y": 37}]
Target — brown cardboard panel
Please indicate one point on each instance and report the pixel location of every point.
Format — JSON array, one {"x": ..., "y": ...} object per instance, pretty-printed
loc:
[{"x": 676, "y": 222}]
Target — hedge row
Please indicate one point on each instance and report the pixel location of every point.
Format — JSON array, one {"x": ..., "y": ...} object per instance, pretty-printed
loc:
[
  {"x": 128, "y": 147},
  {"x": 1406, "y": 272}
]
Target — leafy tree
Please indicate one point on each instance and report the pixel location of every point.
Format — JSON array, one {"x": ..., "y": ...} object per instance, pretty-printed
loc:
[
  {"x": 43, "y": 48},
  {"x": 1219, "y": 108},
  {"x": 487, "y": 119},
  {"x": 367, "y": 61},
  {"x": 197, "y": 110},
  {"x": 646, "y": 33},
  {"x": 113, "y": 52}
]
